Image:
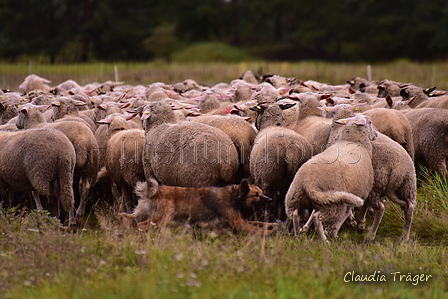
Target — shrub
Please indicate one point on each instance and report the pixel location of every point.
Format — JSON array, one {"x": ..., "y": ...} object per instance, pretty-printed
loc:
[{"x": 210, "y": 51}]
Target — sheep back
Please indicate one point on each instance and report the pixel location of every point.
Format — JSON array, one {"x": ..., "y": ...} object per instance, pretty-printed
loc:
[{"x": 189, "y": 155}]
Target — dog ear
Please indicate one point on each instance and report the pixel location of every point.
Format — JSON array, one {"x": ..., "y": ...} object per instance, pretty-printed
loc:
[{"x": 244, "y": 186}]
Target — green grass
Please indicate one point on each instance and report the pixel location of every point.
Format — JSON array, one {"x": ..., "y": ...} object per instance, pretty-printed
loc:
[
  {"x": 38, "y": 259},
  {"x": 210, "y": 73}
]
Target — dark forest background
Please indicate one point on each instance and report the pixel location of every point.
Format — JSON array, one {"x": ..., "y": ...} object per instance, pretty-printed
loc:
[{"x": 282, "y": 30}]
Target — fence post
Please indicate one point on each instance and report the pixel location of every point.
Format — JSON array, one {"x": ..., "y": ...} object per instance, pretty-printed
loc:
[
  {"x": 116, "y": 73},
  {"x": 369, "y": 73}
]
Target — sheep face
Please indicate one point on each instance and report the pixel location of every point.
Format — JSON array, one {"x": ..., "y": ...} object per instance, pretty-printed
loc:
[{"x": 270, "y": 114}]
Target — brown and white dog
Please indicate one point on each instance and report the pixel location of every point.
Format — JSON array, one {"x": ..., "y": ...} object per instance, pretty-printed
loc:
[{"x": 233, "y": 204}]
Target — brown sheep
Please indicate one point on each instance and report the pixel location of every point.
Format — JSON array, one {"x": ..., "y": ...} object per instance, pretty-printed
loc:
[
  {"x": 395, "y": 125},
  {"x": 40, "y": 160},
  {"x": 430, "y": 136},
  {"x": 394, "y": 177},
  {"x": 311, "y": 124},
  {"x": 240, "y": 132},
  {"x": 83, "y": 140},
  {"x": 186, "y": 154},
  {"x": 277, "y": 154},
  {"x": 123, "y": 163}
]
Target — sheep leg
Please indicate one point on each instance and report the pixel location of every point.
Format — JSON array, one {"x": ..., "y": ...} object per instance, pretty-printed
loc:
[
  {"x": 37, "y": 200},
  {"x": 361, "y": 219},
  {"x": 84, "y": 187},
  {"x": 319, "y": 226},
  {"x": 306, "y": 226},
  {"x": 379, "y": 212},
  {"x": 408, "y": 209},
  {"x": 296, "y": 222}
]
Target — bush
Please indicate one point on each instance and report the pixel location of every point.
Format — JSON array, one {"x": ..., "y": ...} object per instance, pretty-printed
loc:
[{"x": 210, "y": 51}]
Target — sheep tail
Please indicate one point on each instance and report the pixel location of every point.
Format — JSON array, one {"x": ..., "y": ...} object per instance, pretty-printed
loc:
[
  {"x": 335, "y": 197},
  {"x": 147, "y": 189}
]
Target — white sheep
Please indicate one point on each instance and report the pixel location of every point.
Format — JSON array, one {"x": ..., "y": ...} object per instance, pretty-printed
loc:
[{"x": 335, "y": 181}]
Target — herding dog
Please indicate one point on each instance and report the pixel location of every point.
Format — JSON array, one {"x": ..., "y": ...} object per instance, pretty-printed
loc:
[{"x": 160, "y": 204}]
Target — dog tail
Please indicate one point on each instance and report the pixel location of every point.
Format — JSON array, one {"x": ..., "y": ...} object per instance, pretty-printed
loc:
[
  {"x": 335, "y": 197},
  {"x": 146, "y": 189}
]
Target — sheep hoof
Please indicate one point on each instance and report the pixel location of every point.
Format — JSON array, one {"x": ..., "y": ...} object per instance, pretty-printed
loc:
[
  {"x": 361, "y": 227},
  {"x": 304, "y": 229}
]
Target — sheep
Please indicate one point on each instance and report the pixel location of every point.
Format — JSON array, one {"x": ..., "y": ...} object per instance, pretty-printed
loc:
[
  {"x": 430, "y": 135},
  {"x": 240, "y": 132},
  {"x": 66, "y": 108},
  {"x": 250, "y": 77},
  {"x": 395, "y": 125},
  {"x": 310, "y": 123},
  {"x": 186, "y": 154},
  {"x": 363, "y": 85},
  {"x": 395, "y": 178},
  {"x": 7, "y": 112},
  {"x": 390, "y": 88},
  {"x": 42, "y": 161},
  {"x": 277, "y": 154},
  {"x": 101, "y": 112},
  {"x": 83, "y": 140},
  {"x": 123, "y": 156},
  {"x": 336, "y": 180},
  {"x": 242, "y": 91},
  {"x": 34, "y": 82}
]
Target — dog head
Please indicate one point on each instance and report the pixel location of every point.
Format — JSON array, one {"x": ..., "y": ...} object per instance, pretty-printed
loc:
[{"x": 251, "y": 195}]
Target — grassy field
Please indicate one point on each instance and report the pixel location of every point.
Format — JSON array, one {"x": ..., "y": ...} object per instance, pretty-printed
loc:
[
  {"x": 39, "y": 259},
  {"x": 421, "y": 74}
]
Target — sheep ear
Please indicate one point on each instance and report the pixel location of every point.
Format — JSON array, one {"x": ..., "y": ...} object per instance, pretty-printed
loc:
[
  {"x": 24, "y": 110},
  {"x": 193, "y": 113},
  {"x": 411, "y": 100},
  {"x": 389, "y": 101},
  {"x": 258, "y": 108},
  {"x": 178, "y": 107},
  {"x": 248, "y": 118},
  {"x": 404, "y": 93},
  {"x": 146, "y": 114},
  {"x": 125, "y": 105},
  {"x": 360, "y": 121},
  {"x": 325, "y": 96},
  {"x": 238, "y": 108},
  {"x": 330, "y": 100},
  {"x": 80, "y": 103},
  {"x": 199, "y": 99},
  {"x": 102, "y": 107},
  {"x": 56, "y": 103},
  {"x": 105, "y": 121},
  {"x": 428, "y": 91},
  {"x": 285, "y": 106},
  {"x": 130, "y": 116},
  {"x": 351, "y": 90},
  {"x": 351, "y": 82},
  {"x": 341, "y": 121},
  {"x": 358, "y": 106}
]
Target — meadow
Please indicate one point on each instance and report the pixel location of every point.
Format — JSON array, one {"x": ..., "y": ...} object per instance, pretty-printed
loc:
[{"x": 41, "y": 259}]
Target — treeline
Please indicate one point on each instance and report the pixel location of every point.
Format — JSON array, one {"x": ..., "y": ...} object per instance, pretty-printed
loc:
[{"x": 142, "y": 30}]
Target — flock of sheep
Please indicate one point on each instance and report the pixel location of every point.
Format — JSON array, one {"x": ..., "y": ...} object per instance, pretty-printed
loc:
[{"x": 318, "y": 150}]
